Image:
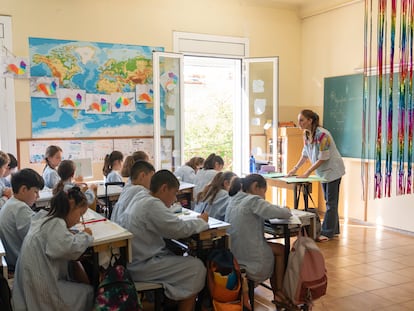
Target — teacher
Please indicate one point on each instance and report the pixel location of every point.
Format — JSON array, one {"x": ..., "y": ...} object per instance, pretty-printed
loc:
[{"x": 319, "y": 147}]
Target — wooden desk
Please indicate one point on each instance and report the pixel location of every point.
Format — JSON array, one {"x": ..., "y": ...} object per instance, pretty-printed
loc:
[
  {"x": 294, "y": 183},
  {"x": 107, "y": 237},
  {"x": 201, "y": 243},
  {"x": 46, "y": 195}
]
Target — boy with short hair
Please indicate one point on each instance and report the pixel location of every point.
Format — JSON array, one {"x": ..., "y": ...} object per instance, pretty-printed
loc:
[
  {"x": 16, "y": 214},
  {"x": 5, "y": 191},
  {"x": 150, "y": 221},
  {"x": 140, "y": 174}
]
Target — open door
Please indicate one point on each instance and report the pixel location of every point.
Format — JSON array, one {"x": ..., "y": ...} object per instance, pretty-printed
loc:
[
  {"x": 168, "y": 115},
  {"x": 259, "y": 126}
]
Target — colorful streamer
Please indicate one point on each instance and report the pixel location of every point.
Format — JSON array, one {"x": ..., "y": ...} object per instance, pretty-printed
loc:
[
  {"x": 388, "y": 162},
  {"x": 402, "y": 99},
  {"x": 410, "y": 103},
  {"x": 381, "y": 26}
]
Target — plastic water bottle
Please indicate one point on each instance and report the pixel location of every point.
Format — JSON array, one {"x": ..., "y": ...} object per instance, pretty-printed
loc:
[{"x": 252, "y": 167}]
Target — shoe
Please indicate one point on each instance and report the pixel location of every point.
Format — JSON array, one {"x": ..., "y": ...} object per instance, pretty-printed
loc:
[
  {"x": 322, "y": 239},
  {"x": 283, "y": 302}
]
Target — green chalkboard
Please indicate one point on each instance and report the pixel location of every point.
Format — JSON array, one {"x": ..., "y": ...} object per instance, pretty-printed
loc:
[{"x": 343, "y": 114}]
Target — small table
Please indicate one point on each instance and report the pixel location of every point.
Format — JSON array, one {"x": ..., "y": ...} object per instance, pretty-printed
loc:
[
  {"x": 185, "y": 194},
  {"x": 294, "y": 183}
]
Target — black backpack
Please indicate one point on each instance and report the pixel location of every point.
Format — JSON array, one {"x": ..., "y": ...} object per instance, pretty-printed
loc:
[{"x": 117, "y": 290}]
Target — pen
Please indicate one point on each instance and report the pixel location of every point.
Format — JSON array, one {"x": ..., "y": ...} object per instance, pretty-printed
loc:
[
  {"x": 83, "y": 221},
  {"x": 95, "y": 220}
]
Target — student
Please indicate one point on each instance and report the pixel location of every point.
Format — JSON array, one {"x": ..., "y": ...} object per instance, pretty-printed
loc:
[
  {"x": 150, "y": 221},
  {"x": 320, "y": 149},
  {"x": 212, "y": 165},
  {"x": 215, "y": 196},
  {"x": 42, "y": 280},
  {"x": 187, "y": 172},
  {"x": 112, "y": 166},
  {"x": 247, "y": 212},
  {"x": 66, "y": 172},
  {"x": 129, "y": 162},
  {"x": 16, "y": 214},
  {"x": 11, "y": 168},
  {"x": 141, "y": 173},
  {"x": 5, "y": 191},
  {"x": 53, "y": 157}
]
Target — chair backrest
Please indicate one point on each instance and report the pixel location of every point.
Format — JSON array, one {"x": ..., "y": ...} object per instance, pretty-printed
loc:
[{"x": 107, "y": 197}]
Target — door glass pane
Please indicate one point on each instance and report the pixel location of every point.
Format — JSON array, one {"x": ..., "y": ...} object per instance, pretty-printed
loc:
[
  {"x": 261, "y": 94},
  {"x": 167, "y": 110}
]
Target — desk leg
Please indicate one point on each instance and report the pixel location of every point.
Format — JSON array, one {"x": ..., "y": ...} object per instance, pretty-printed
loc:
[
  {"x": 296, "y": 197},
  {"x": 286, "y": 231},
  {"x": 306, "y": 196},
  {"x": 95, "y": 270}
]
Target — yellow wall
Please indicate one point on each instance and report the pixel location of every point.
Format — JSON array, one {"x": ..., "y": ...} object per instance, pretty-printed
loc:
[{"x": 271, "y": 31}]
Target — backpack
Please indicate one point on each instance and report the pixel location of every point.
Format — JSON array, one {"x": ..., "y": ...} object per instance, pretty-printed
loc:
[
  {"x": 117, "y": 290},
  {"x": 227, "y": 287},
  {"x": 305, "y": 277},
  {"x": 318, "y": 225}
]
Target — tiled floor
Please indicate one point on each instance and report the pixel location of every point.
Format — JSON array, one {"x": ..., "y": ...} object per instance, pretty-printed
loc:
[{"x": 368, "y": 269}]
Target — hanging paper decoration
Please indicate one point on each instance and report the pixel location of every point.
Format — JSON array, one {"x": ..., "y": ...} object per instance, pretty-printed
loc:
[
  {"x": 402, "y": 98},
  {"x": 388, "y": 163},
  {"x": 410, "y": 102},
  {"x": 381, "y": 28}
]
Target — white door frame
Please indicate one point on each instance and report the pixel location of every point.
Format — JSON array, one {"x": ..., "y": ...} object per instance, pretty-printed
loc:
[{"x": 7, "y": 100}]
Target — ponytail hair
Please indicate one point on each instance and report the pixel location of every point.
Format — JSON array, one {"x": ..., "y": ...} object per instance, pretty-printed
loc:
[
  {"x": 309, "y": 114},
  {"x": 66, "y": 171},
  {"x": 210, "y": 191},
  {"x": 109, "y": 161},
  {"x": 245, "y": 183},
  {"x": 211, "y": 161},
  {"x": 60, "y": 202}
]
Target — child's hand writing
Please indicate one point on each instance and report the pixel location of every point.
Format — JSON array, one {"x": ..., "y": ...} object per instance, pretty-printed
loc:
[
  {"x": 88, "y": 231},
  {"x": 203, "y": 216}
]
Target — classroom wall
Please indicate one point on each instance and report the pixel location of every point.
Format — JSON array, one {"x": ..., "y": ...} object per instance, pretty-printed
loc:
[
  {"x": 333, "y": 45},
  {"x": 271, "y": 31}
]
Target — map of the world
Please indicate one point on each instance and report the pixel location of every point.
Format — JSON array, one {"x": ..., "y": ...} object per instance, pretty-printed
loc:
[{"x": 89, "y": 89}]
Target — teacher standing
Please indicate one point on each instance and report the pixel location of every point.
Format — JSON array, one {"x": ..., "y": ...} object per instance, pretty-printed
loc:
[{"x": 319, "y": 147}]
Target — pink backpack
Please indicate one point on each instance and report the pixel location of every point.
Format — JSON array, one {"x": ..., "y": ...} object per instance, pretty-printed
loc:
[{"x": 305, "y": 278}]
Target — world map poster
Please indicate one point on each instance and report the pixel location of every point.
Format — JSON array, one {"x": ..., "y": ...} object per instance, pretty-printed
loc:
[{"x": 67, "y": 78}]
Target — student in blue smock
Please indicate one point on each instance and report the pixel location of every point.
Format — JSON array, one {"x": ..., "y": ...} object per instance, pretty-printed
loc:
[
  {"x": 11, "y": 169},
  {"x": 149, "y": 219},
  {"x": 5, "y": 191},
  {"x": 247, "y": 212},
  {"x": 50, "y": 250},
  {"x": 16, "y": 214},
  {"x": 188, "y": 171},
  {"x": 212, "y": 165},
  {"x": 214, "y": 199},
  {"x": 66, "y": 172},
  {"x": 112, "y": 166},
  {"x": 320, "y": 149},
  {"x": 53, "y": 157},
  {"x": 129, "y": 162},
  {"x": 141, "y": 174}
]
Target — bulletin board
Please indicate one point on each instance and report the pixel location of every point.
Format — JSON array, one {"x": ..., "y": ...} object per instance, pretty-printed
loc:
[{"x": 30, "y": 151}]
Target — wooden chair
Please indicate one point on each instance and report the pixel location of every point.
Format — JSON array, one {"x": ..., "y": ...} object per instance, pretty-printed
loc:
[{"x": 158, "y": 290}]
